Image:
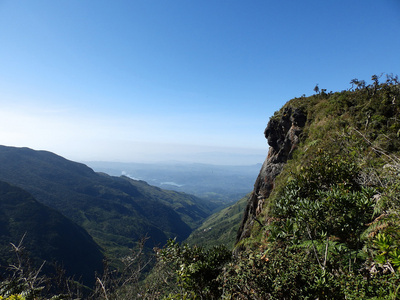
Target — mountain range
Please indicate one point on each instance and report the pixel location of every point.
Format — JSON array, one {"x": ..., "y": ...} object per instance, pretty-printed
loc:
[{"x": 112, "y": 212}]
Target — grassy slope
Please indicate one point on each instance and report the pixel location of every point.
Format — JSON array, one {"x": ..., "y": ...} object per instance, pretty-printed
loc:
[{"x": 220, "y": 228}]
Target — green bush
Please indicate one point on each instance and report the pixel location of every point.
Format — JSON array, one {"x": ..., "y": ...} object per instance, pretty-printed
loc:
[{"x": 196, "y": 269}]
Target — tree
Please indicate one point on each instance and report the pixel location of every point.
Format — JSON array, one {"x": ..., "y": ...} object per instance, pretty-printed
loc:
[{"x": 316, "y": 89}]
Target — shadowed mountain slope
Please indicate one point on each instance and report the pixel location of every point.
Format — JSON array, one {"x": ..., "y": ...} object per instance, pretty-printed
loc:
[
  {"x": 116, "y": 211},
  {"x": 47, "y": 236}
]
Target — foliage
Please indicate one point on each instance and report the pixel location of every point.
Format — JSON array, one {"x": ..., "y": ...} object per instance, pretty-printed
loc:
[
  {"x": 312, "y": 247},
  {"x": 124, "y": 283},
  {"x": 278, "y": 274},
  {"x": 13, "y": 297},
  {"x": 324, "y": 199},
  {"x": 196, "y": 269},
  {"x": 25, "y": 282},
  {"x": 28, "y": 283}
]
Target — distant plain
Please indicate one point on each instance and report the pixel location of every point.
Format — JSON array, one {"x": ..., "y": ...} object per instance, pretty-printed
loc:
[{"x": 219, "y": 183}]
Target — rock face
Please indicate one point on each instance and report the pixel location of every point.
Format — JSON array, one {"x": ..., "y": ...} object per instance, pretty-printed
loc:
[{"x": 283, "y": 135}]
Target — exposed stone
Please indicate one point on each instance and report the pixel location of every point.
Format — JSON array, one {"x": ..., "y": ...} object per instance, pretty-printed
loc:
[{"x": 283, "y": 135}]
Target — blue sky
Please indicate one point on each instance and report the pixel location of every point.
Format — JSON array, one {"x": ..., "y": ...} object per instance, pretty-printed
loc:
[{"x": 183, "y": 80}]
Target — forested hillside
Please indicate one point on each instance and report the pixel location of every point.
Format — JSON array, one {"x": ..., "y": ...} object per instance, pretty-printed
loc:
[
  {"x": 116, "y": 211},
  {"x": 47, "y": 237}
]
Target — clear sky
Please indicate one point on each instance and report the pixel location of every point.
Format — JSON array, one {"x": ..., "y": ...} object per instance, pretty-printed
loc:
[{"x": 198, "y": 80}]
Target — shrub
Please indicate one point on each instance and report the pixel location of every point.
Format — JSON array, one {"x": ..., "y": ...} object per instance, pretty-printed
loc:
[{"x": 196, "y": 269}]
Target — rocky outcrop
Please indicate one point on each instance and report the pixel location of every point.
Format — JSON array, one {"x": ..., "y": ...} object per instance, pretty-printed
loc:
[{"x": 283, "y": 135}]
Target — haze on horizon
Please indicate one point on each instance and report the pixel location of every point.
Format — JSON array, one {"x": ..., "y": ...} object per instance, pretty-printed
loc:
[{"x": 133, "y": 81}]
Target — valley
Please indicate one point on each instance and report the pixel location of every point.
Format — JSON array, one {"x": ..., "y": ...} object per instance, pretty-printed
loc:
[
  {"x": 222, "y": 184},
  {"x": 115, "y": 211}
]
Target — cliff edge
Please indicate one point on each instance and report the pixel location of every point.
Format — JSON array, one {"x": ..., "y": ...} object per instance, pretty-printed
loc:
[{"x": 283, "y": 135}]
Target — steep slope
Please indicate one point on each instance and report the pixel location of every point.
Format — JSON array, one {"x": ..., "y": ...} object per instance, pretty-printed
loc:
[
  {"x": 48, "y": 236},
  {"x": 366, "y": 117},
  {"x": 221, "y": 227},
  {"x": 193, "y": 210},
  {"x": 323, "y": 219},
  {"x": 116, "y": 211},
  {"x": 283, "y": 135}
]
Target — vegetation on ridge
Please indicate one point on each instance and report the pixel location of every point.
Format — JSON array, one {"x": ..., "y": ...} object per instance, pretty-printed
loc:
[{"x": 329, "y": 230}]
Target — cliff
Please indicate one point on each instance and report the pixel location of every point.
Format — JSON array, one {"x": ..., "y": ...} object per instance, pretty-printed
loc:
[
  {"x": 323, "y": 218},
  {"x": 360, "y": 123},
  {"x": 283, "y": 134}
]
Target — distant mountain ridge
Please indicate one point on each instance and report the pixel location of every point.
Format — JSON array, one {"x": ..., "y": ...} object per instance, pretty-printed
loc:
[
  {"x": 116, "y": 211},
  {"x": 217, "y": 183}
]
